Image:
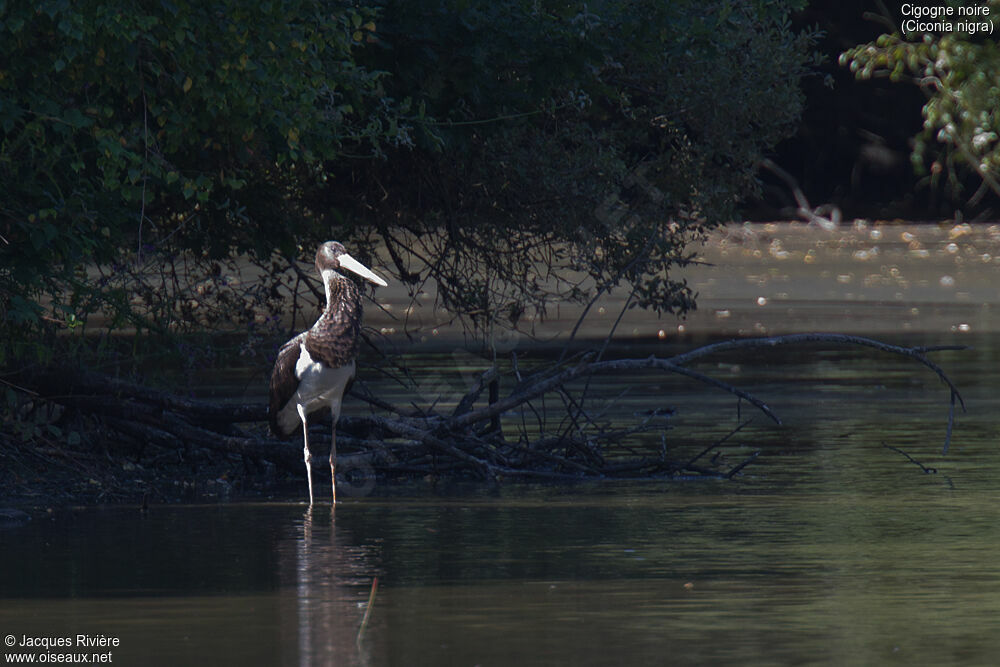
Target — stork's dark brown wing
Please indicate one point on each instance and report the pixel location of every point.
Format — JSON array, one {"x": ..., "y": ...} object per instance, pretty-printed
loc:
[{"x": 283, "y": 382}]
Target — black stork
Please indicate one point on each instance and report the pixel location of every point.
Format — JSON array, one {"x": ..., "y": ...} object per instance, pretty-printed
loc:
[{"x": 314, "y": 369}]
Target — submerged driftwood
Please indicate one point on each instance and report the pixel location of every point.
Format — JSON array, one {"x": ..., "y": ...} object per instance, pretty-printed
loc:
[{"x": 488, "y": 438}]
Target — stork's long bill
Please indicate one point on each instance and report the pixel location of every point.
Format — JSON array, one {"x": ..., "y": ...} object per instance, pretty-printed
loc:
[{"x": 354, "y": 266}]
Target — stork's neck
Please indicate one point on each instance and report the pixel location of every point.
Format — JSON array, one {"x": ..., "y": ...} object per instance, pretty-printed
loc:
[
  {"x": 342, "y": 297},
  {"x": 330, "y": 280},
  {"x": 333, "y": 339}
]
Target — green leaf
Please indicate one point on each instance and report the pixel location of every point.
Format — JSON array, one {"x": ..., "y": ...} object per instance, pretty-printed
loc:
[{"x": 77, "y": 119}]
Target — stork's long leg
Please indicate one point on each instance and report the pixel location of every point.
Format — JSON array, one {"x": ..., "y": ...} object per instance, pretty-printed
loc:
[
  {"x": 306, "y": 454},
  {"x": 333, "y": 460}
]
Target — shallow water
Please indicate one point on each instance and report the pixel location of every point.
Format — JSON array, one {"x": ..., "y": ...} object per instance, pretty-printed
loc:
[
  {"x": 642, "y": 574},
  {"x": 830, "y": 548}
]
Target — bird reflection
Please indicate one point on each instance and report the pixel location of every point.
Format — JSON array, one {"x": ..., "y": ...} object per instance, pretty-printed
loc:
[{"x": 328, "y": 595}]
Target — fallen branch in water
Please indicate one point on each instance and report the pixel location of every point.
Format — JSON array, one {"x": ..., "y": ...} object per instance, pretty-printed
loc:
[{"x": 394, "y": 441}]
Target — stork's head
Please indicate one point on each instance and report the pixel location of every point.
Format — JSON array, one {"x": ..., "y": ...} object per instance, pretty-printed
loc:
[{"x": 333, "y": 256}]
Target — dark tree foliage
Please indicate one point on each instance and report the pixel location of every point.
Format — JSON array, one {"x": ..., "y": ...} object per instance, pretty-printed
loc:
[
  {"x": 589, "y": 142},
  {"x": 180, "y": 126},
  {"x": 513, "y": 152}
]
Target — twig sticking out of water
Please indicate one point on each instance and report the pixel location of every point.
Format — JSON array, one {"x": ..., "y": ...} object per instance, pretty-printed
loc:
[
  {"x": 368, "y": 610},
  {"x": 717, "y": 443},
  {"x": 747, "y": 461},
  {"x": 951, "y": 421},
  {"x": 929, "y": 471}
]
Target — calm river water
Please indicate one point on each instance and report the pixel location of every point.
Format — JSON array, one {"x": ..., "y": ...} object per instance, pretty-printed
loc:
[{"x": 830, "y": 548}]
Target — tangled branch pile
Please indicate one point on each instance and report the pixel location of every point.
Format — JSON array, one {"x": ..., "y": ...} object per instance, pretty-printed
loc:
[{"x": 499, "y": 438}]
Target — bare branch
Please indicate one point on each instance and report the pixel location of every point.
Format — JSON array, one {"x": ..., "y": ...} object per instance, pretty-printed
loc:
[{"x": 397, "y": 442}]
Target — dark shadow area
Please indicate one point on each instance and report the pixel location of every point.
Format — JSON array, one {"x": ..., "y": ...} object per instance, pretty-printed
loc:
[{"x": 853, "y": 146}]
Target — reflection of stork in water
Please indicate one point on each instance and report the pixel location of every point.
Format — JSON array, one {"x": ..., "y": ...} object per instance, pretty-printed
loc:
[
  {"x": 314, "y": 369},
  {"x": 328, "y": 569}
]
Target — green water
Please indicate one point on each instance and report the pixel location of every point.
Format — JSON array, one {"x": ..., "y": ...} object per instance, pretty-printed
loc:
[
  {"x": 828, "y": 549},
  {"x": 640, "y": 574}
]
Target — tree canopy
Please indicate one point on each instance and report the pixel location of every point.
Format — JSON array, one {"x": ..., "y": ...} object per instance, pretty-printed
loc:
[
  {"x": 125, "y": 124},
  {"x": 488, "y": 146}
]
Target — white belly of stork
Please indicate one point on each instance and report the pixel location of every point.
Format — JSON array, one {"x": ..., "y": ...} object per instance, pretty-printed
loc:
[{"x": 319, "y": 387}]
